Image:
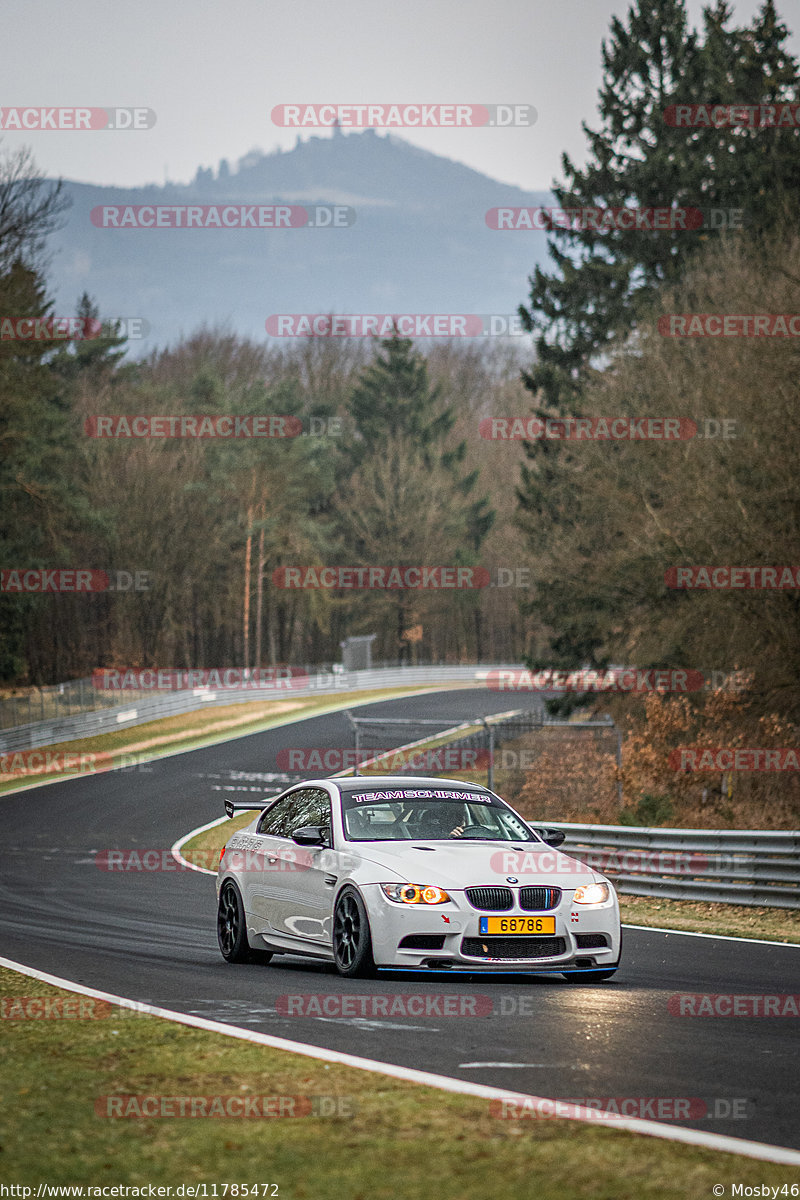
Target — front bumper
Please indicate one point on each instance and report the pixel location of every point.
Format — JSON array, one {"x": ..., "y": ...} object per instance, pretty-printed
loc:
[{"x": 450, "y": 938}]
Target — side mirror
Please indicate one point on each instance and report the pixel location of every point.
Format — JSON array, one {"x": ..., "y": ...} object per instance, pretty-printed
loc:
[
  {"x": 310, "y": 835},
  {"x": 552, "y": 837}
]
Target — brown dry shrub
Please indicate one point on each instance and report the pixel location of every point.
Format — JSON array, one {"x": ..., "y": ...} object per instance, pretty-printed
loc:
[
  {"x": 708, "y": 799},
  {"x": 574, "y": 776}
]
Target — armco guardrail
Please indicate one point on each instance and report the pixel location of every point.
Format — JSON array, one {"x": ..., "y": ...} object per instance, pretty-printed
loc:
[
  {"x": 138, "y": 709},
  {"x": 738, "y": 866}
]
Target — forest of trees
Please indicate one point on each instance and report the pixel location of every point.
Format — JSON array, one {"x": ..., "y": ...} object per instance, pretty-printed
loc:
[
  {"x": 407, "y": 479},
  {"x": 604, "y": 521},
  {"x": 382, "y": 474}
]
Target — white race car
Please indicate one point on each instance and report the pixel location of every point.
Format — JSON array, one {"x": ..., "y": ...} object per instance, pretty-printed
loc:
[{"x": 412, "y": 874}]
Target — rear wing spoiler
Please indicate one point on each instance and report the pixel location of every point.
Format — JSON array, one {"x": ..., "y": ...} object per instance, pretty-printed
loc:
[{"x": 232, "y": 807}]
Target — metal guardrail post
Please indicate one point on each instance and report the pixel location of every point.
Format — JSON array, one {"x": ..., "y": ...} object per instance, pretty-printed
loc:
[
  {"x": 356, "y": 737},
  {"x": 490, "y": 772},
  {"x": 734, "y": 866}
]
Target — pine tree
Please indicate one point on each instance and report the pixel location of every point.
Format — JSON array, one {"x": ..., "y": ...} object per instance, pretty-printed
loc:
[
  {"x": 394, "y": 398},
  {"x": 600, "y": 294},
  {"x": 604, "y": 277},
  {"x": 402, "y": 431},
  {"x": 98, "y": 349}
]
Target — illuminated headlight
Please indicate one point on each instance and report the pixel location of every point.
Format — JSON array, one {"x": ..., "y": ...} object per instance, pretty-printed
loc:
[
  {"x": 593, "y": 893},
  {"x": 414, "y": 893}
]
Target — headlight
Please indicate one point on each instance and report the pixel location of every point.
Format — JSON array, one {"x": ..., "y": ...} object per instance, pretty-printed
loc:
[
  {"x": 414, "y": 893},
  {"x": 593, "y": 893}
]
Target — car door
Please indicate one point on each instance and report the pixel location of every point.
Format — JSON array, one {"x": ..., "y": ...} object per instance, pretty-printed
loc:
[
  {"x": 312, "y": 881},
  {"x": 263, "y": 878},
  {"x": 293, "y": 895}
]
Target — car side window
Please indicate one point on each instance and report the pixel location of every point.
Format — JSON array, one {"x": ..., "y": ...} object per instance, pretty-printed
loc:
[
  {"x": 277, "y": 819},
  {"x": 315, "y": 809},
  {"x": 307, "y": 806}
]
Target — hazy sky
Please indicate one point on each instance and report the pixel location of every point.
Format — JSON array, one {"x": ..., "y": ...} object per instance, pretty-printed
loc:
[{"x": 214, "y": 70}]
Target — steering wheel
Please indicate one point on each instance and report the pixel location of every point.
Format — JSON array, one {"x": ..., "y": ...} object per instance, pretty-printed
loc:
[{"x": 480, "y": 829}]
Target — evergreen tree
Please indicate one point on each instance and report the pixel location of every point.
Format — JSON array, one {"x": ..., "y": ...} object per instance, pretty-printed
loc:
[
  {"x": 42, "y": 508},
  {"x": 601, "y": 293},
  {"x": 394, "y": 399},
  {"x": 604, "y": 276},
  {"x": 401, "y": 461},
  {"x": 97, "y": 350}
]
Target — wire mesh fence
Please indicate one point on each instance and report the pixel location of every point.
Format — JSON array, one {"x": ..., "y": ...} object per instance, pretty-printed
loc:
[
  {"x": 70, "y": 699},
  {"x": 510, "y": 742},
  {"x": 56, "y": 701}
]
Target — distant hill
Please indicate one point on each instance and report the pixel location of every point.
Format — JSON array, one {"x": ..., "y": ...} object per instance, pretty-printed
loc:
[{"x": 419, "y": 242}]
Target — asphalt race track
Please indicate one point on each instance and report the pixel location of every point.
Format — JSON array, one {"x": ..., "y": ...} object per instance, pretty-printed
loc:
[{"x": 151, "y": 936}]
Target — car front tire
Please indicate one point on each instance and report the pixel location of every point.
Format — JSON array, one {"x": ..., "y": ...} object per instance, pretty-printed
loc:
[
  {"x": 352, "y": 940},
  {"x": 232, "y": 928}
]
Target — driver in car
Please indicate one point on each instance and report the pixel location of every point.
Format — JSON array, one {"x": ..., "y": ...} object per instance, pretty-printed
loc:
[{"x": 435, "y": 824}]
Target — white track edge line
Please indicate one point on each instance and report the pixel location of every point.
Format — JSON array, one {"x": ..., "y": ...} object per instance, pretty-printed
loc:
[
  {"x": 692, "y": 1137},
  {"x": 175, "y": 850},
  {"x": 720, "y": 937}
]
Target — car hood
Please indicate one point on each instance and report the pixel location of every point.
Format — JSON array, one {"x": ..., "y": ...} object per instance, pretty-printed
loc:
[{"x": 456, "y": 865}]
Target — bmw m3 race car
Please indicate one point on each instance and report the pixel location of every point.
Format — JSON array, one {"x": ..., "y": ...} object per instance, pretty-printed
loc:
[{"x": 412, "y": 874}]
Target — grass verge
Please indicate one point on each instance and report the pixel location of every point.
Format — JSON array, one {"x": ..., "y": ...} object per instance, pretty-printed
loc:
[
  {"x": 399, "y": 1139},
  {"x": 696, "y": 916}
]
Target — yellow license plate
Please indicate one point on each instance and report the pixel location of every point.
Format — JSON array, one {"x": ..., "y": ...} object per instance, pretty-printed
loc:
[{"x": 517, "y": 925}]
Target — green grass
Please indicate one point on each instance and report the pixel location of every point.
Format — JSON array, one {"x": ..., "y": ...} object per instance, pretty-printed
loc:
[
  {"x": 403, "y": 1141},
  {"x": 696, "y": 916}
]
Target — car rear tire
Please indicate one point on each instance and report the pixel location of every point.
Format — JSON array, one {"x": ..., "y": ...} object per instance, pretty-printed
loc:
[
  {"x": 352, "y": 940},
  {"x": 232, "y": 928}
]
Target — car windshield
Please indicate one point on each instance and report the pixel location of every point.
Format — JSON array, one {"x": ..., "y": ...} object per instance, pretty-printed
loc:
[{"x": 430, "y": 814}]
